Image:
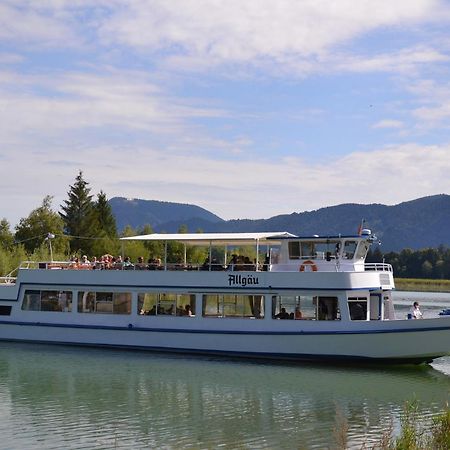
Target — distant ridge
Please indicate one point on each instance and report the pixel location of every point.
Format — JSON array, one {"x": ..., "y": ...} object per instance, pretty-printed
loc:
[
  {"x": 162, "y": 216},
  {"x": 416, "y": 224}
]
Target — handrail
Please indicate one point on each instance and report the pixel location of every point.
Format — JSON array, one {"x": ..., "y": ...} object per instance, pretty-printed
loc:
[
  {"x": 70, "y": 265},
  {"x": 7, "y": 280},
  {"x": 378, "y": 267}
]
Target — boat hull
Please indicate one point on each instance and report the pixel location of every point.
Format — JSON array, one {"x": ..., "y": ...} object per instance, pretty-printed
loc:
[
  {"x": 324, "y": 340},
  {"x": 398, "y": 345}
]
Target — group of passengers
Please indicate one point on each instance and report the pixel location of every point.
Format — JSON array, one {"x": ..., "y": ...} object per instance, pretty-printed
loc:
[
  {"x": 186, "y": 311},
  {"x": 284, "y": 315},
  {"x": 110, "y": 262},
  {"x": 236, "y": 263},
  {"x": 240, "y": 262}
]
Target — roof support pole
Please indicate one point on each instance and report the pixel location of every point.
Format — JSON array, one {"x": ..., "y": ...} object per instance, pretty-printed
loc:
[
  {"x": 210, "y": 254},
  {"x": 185, "y": 263},
  {"x": 257, "y": 254},
  {"x": 165, "y": 255}
]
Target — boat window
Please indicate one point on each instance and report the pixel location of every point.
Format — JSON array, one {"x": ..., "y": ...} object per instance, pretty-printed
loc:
[
  {"x": 310, "y": 250},
  {"x": 357, "y": 307},
  {"x": 307, "y": 250},
  {"x": 305, "y": 307},
  {"x": 294, "y": 250},
  {"x": 5, "y": 310},
  {"x": 231, "y": 305},
  {"x": 166, "y": 303},
  {"x": 362, "y": 250},
  {"x": 104, "y": 302},
  {"x": 59, "y": 301},
  {"x": 326, "y": 250},
  {"x": 349, "y": 249}
]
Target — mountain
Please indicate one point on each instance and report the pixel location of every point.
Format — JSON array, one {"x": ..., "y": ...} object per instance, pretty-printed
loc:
[
  {"x": 162, "y": 216},
  {"x": 416, "y": 224}
]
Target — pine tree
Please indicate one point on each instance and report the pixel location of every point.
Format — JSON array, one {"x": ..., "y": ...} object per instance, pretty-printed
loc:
[
  {"x": 79, "y": 216},
  {"x": 105, "y": 217}
]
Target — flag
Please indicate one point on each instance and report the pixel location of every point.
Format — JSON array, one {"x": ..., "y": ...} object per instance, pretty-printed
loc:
[{"x": 360, "y": 227}]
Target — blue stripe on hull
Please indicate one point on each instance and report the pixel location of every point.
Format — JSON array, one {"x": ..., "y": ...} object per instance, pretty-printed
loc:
[{"x": 130, "y": 327}]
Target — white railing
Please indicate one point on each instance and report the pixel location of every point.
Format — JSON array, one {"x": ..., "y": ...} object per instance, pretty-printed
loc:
[
  {"x": 7, "y": 280},
  {"x": 377, "y": 267}
]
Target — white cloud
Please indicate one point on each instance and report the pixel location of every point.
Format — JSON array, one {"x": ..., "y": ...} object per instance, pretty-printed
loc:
[
  {"x": 388, "y": 123},
  {"x": 10, "y": 58},
  {"x": 73, "y": 101},
  {"x": 434, "y": 97},
  {"x": 403, "y": 61},
  {"x": 287, "y": 37},
  {"x": 232, "y": 30},
  {"x": 21, "y": 23},
  {"x": 231, "y": 188}
]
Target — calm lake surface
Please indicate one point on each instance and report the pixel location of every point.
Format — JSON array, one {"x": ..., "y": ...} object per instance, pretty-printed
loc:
[{"x": 55, "y": 397}]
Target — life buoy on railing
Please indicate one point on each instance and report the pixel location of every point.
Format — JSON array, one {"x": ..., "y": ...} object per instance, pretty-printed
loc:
[{"x": 310, "y": 264}]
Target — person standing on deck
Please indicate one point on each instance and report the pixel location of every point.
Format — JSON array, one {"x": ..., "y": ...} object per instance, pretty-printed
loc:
[{"x": 416, "y": 312}]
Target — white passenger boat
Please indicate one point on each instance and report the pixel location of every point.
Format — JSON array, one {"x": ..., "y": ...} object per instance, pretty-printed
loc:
[{"x": 307, "y": 298}]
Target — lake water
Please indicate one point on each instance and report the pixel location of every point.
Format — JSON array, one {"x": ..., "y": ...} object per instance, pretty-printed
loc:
[{"x": 62, "y": 397}]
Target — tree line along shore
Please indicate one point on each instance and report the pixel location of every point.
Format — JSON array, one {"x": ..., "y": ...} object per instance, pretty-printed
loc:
[{"x": 85, "y": 225}]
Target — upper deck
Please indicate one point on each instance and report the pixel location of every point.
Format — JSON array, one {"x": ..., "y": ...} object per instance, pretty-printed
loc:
[{"x": 311, "y": 262}]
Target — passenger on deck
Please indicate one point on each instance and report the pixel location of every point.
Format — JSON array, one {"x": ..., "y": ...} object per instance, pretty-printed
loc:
[
  {"x": 282, "y": 314},
  {"x": 416, "y": 312},
  {"x": 248, "y": 264},
  {"x": 298, "y": 314},
  {"x": 74, "y": 262},
  {"x": 187, "y": 310},
  {"x": 154, "y": 264},
  {"x": 85, "y": 263},
  {"x": 117, "y": 263},
  {"x": 127, "y": 264},
  {"x": 140, "y": 265}
]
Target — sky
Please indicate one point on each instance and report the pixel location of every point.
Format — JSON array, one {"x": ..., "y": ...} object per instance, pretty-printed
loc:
[{"x": 249, "y": 109}]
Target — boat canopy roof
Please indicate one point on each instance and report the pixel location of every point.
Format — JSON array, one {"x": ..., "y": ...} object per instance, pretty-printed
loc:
[{"x": 216, "y": 238}]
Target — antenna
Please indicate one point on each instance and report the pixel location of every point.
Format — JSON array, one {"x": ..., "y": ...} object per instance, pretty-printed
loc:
[{"x": 49, "y": 238}]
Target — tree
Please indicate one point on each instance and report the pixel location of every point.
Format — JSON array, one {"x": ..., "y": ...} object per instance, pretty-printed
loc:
[
  {"x": 79, "y": 216},
  {"x": 33, "y": 231},
  {"x": 6, "y": 235},
  {"x": 105, "y": 217},
  {"x": 155, "y": 249}
]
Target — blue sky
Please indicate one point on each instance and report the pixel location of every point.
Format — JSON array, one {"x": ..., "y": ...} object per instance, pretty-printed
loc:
[{"x": 247, "y": 108}]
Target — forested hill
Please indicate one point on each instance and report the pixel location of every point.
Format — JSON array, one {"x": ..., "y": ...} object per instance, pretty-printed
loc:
[
  {"x": 416, "y": 224},
  {"x": 162, "y": 216}
]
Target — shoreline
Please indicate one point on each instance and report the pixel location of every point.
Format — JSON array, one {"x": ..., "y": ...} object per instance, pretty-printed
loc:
[{"x": 422, "y": 285}]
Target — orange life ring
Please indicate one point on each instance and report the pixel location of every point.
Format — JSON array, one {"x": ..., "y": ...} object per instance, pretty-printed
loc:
[{"x": 309, "y": 263}]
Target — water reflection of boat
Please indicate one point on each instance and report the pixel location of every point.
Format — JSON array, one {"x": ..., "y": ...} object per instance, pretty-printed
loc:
[
  {"x": 126, "y": 399},
  {"x": 235, "y": 307}
]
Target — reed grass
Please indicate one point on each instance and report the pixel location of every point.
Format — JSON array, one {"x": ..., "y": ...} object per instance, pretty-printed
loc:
[
  {"x": 414, "y": 434},
  {"x": 422, "y": 285}
]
